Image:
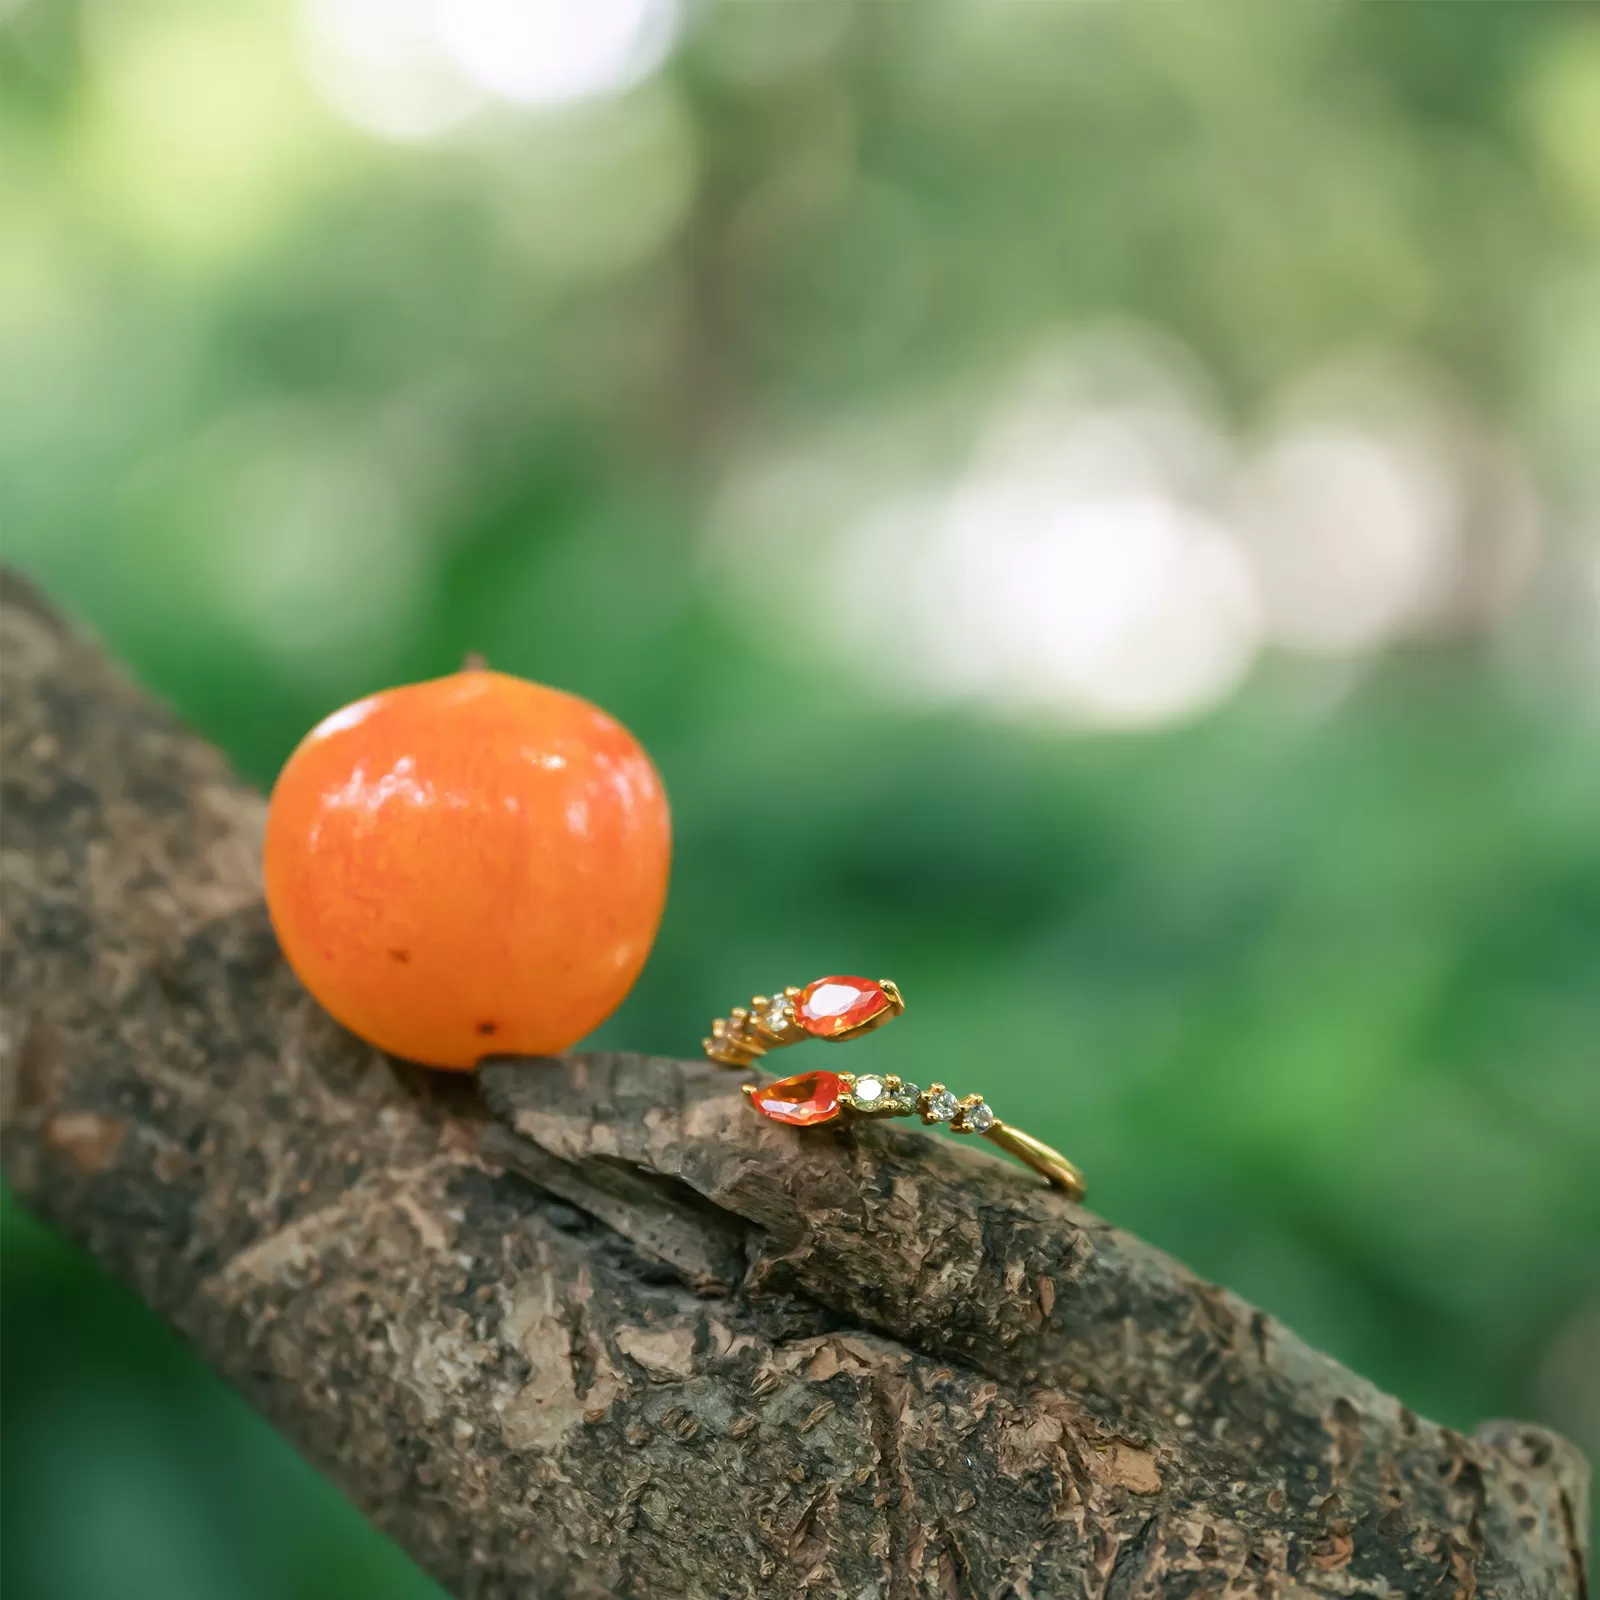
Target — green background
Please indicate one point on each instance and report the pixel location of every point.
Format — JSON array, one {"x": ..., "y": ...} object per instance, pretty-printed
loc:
[{"x": 1304, "y": 969}]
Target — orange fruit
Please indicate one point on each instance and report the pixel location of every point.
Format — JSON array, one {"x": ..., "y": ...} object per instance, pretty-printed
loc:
[{"x": 468, "y": 867}]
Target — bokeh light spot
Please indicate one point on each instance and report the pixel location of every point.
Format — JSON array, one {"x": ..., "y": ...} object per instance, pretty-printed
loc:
[
  {"x": 555, "y": 52},
  {"x": 1350, "y": 535},
  {"x": 379, "y": 64}
]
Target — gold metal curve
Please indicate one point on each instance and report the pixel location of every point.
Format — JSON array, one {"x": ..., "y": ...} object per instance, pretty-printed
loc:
[{"x": 744, "y": 1036}]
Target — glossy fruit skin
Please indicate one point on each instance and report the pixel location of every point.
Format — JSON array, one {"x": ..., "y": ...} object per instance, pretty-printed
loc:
[{"x": 471, "y": 866}]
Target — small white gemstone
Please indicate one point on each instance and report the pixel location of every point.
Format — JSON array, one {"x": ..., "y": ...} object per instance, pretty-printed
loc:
[
  {"x": 943, "y": 1106},
  {"x": 868, "y": 1089},
  {"x": 980, "y": 1117},
  {"x": 778, "y": 1016}
]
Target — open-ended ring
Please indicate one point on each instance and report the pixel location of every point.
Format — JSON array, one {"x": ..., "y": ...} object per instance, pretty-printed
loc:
[{"x": 845, "y": 1008}]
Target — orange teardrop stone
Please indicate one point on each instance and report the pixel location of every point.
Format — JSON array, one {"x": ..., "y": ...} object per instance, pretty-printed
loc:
[
  {"x": 832, "y": 1006},
  {"x": 803, "y": 1101}
]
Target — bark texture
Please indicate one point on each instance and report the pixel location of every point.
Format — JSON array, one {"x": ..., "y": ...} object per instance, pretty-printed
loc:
[{"x": 588, "y": 1327}]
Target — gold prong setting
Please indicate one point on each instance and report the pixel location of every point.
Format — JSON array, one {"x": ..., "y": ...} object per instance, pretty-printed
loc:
[
  {"x": 747, "y": 1033},
  {"x": 871, "y": 1094},
  {"x": 974, "y": 1116}
]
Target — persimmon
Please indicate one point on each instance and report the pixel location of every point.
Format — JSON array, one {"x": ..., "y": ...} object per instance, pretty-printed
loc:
[{"x": 470, "y": 866}]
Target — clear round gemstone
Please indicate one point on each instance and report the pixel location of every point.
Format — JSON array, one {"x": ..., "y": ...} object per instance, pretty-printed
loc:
[
  {"x": 778, "y": 1016},
  {"x": 980, "y": 1118},
  {"x": 868, "y": 1089},
  {"x": 943, "y": 1106}
]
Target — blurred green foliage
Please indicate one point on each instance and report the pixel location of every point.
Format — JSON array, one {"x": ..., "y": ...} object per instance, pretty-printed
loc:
[{"x": 1310, "y": 984}]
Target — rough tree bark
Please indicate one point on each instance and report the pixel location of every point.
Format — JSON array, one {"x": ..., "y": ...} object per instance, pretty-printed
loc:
[{"x": 587, "y": 1327}]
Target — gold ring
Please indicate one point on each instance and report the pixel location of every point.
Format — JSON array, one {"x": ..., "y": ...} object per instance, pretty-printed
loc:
[{"x": 846, "y": 1008}]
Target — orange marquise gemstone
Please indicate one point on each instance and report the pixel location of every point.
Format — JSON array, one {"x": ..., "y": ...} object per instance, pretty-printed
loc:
[
  {"x": 832, "y": 1006},
  {"x": 803, "y": 1101}
]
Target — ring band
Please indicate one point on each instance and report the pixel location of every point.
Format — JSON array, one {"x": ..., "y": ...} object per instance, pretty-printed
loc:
[{"x": 846, "y": 1008}]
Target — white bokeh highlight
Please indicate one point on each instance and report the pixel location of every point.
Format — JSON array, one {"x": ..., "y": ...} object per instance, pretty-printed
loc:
[
  {"x": 416, "y": 69},
  {"x": 556, "y": 52},
  {"x": 1351, "y": 535},
  {"x": 379, "y": 64},
  {"x": 1109, "y": 553},
  {"x": 1115, "y": 610}
]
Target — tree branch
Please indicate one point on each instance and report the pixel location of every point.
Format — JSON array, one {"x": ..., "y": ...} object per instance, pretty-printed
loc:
[{"x": 587, "y": 1327}]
